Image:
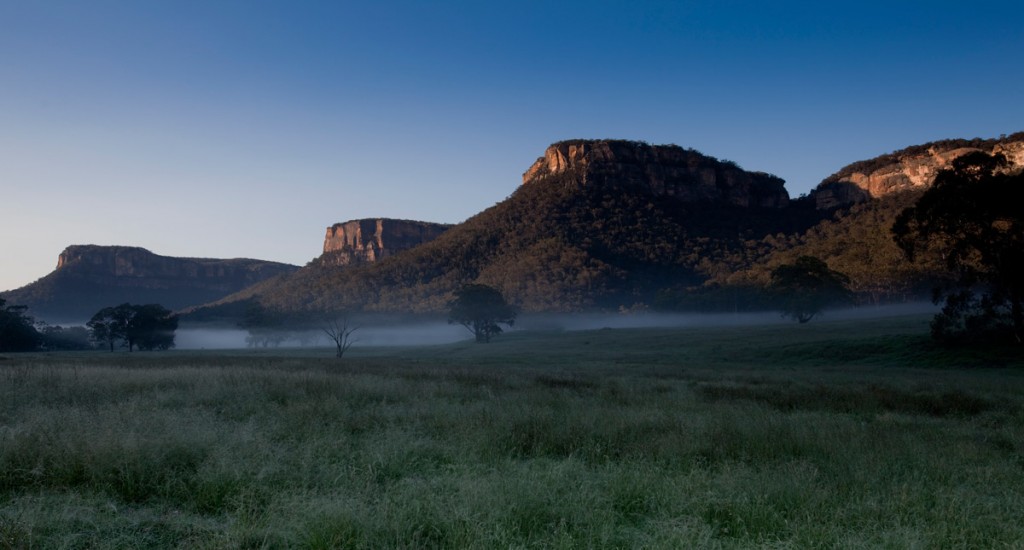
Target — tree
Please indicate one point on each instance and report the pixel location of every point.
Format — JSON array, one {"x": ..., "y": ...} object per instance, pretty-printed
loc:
[
  {"x": 152, "y": 327},
  {"x": 17, "y": 332},
  {"x": 339, "y": 331},
  {"x": 105, "y": 328},
  {"x": 56, "y": 337},
  {"x": 265, "y": 326},
  {"x": 807, "y": 286},
  {"x": 972, "y": 215},
  {"x": 147, "y": 327},
  {"x": 481, "y": 309}
]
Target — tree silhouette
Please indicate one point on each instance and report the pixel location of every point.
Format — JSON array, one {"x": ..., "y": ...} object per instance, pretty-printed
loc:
[
  {"x": 972, "y": 215},
  {"x": 807, "y": 286},
  {"x": 481, "y": 309},
  {"x": 147, "y": 327},
  {"x": 340, "y": 332},
  {"x": 17, "y": 332}
]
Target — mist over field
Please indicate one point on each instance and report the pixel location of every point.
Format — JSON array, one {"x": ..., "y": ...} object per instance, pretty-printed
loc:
[
  {"x": 421, "y": 333},
  {"x": 677, "y": 320},
  {"x": 418, "y": 334}
]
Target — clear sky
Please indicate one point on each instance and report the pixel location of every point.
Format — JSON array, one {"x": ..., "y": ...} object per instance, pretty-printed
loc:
[{"x": 243, "y": 128}]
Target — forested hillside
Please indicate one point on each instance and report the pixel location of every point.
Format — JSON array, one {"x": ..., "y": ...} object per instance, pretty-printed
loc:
[
  {"x": 556, "y": 244},
  {"x": 615, "y": 225}
]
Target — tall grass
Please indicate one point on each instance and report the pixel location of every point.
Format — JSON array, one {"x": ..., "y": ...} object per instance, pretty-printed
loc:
[{"x": 843, "y": 434}]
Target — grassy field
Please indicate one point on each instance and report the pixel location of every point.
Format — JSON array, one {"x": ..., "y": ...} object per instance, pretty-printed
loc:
[{"x": 841, "y": 434}]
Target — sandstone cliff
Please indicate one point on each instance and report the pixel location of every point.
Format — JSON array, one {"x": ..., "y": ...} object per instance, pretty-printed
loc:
[
  {"x": 369, "y": 240},
  {"x": 910, "y": 168},
  {"x": 148, "y": 269},
  {"x": 667, "y": 170},
  {"x": 89, "y": 277}
]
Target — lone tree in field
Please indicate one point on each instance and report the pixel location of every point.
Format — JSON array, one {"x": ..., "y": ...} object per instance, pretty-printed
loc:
[
  {"x": 481, "y": 309},
  {"x": 807, "y": 286},
  {"x": 339, "y": 331},
  {"x": 973, "y": 215},
  {"x": 153, "y": 327}
]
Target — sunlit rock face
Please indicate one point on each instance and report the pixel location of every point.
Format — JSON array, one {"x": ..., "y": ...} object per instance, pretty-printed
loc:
[
  {"x": 666, "y": 170},
  {"x": 911, "y": 168},
  {"x": 370, "y": 240}
]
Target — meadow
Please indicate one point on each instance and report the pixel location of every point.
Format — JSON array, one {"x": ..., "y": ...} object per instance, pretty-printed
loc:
[{"x": 843, "y": 434}]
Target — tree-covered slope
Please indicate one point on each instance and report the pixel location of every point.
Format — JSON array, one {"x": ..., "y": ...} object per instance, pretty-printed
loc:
[{"x": 556, "y": 244}]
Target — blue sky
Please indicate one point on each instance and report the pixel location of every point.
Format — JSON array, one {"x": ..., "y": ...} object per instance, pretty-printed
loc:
[{"x": 243, "y": 128}]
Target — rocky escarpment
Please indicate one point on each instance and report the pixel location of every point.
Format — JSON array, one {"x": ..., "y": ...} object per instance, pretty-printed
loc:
[
  {"x": 906, "y": 169},
  {"x": 144, "y": 268},
  {"x": 361, "y": 241},
  {"x": 666, "y": 170},
  {"x": 90, "y": 277}
]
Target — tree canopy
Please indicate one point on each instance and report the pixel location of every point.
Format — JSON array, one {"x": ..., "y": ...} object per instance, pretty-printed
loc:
[
  {"x": 17, "y": 330},
  {"x": 807, "y": 286},
  {"x": 973, "y": 215},
  {"x": 481, "y": 309},
  {"x": 148, "y": 327}
]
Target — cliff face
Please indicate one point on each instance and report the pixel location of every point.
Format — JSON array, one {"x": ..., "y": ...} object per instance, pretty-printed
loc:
[
  {"x": 667, "y": 170},
  {"x": 140, "y": 267},
  {"x": 911, "y": 168},
  {"x": 370, "y": 240},
  {"x": 90, "y": 277}
]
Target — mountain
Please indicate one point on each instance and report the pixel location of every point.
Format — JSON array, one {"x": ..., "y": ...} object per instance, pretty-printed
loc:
[
  {"x": 622, "y": 225},
  {"x": 855, "y": 240},
  {"x": 665, "y": 171},
  {"x": 863, "y": 200},
  {"x": 363, "y": 241},
  {"x": 90, "y": 277},
  {"x": 908, "y": 169},
  {"x": 595, "y": 224}
]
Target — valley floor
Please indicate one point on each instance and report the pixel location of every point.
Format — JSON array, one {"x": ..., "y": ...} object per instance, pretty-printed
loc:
[{"x": 841, "y": 433}]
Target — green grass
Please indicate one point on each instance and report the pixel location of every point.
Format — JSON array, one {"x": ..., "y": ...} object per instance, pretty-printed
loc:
[{"x": 842, "y": 434}]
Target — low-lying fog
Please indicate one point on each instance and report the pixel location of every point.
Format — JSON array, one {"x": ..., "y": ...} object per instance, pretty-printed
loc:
[
  {"x": 420, "y": 333},
  {"x": 417, "y": 334}
]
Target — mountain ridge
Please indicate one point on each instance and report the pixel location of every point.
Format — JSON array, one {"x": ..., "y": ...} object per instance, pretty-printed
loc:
[
  {"x": 910, "y": 168},
  {"x": 615, "y": 224},
  {"x": 90, "y": 277},
  {"x": 666, "y": 170},
  {"x": 604, "y": 229}
]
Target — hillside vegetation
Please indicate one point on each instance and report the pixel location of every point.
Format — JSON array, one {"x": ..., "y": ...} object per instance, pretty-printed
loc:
[
  {"x": 558, "y": 246},
  {"x": 613, "y": 225},
  {"x": 554, "y": 245}
]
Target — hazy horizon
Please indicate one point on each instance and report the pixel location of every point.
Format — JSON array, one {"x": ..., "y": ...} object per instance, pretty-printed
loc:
[
  {"x": 226, "y": 130},
  {"x": 418, "y": 332}
]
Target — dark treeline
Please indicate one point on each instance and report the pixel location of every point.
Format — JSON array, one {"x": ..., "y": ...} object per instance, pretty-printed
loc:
[{"x": 19, "y": 331}]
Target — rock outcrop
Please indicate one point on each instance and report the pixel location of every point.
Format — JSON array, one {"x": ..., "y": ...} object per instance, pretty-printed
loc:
[
  {"x": 667, "y": 170},
  {"x": 361, "y": 241},
  {"x": 145, "y": 268},
  {"x": 910, "y": 168},
  {"x": 90, "y": 277}
]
